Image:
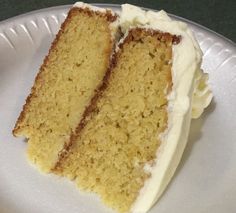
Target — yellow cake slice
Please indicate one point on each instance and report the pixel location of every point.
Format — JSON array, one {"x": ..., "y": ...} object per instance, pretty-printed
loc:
[
  {"x": 66, "y": 82},
  {"x": 114, "y": 116}
]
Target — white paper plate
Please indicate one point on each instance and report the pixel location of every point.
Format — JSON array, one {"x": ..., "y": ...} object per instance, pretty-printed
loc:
[{"x": 206, "y": 178}]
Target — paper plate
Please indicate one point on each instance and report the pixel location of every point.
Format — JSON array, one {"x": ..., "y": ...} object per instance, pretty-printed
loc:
[{"x": 205, "y": 180}]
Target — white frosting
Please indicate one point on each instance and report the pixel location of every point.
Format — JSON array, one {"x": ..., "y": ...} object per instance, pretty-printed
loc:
[
  {"x": 202, "y": 94},
  {"x": 185, "y": 67},
  {"x": 93, "y": 8}
]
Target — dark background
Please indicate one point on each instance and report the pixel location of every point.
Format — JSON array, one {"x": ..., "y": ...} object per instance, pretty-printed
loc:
[{"x": 218, "y": 15}]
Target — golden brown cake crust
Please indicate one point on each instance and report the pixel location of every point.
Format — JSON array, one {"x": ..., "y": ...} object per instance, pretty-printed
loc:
[
  {"x": 132, "y": 35},
  {"x": 39, "y": 80}
]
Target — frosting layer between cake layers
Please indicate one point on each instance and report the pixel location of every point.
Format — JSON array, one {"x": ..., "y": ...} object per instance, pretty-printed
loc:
[{"x": 189, "y": 96}]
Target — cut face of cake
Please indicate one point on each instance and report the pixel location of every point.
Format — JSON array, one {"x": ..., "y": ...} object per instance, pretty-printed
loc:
[{"x": 66, "y": 82}]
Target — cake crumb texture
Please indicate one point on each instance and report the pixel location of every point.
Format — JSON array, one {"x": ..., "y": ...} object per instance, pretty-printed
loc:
[
  {"x": 121, "y": 135},
  {"x": 73, "y": 69}
]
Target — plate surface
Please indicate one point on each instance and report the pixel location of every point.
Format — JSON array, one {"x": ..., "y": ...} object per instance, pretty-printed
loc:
[{"x": 205, "y": 179}]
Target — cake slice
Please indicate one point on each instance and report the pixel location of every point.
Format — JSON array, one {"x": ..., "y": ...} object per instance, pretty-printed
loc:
[
  {"x": 66, "y": 82},
  {"x": 116, "y": 122},
  {"x": 130, "y": 141}
]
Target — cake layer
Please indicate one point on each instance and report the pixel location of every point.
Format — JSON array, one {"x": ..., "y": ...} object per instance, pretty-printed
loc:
[
  {"x": 121, "y": 134},
  {"x": 65, "y": 84}
]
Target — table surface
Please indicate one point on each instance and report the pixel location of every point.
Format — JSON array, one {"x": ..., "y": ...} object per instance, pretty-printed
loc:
[{"x": 217, "y": 15}]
